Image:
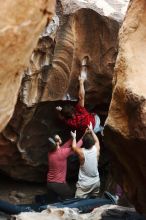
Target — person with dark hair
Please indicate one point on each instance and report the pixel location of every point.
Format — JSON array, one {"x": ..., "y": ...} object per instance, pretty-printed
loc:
[
  {"x": 57, "y": 163},
  {"x": 88, "y": 179},
  {"x": 78, "y": 118}
]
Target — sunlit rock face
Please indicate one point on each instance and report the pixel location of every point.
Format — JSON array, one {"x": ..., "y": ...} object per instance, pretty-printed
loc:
[
  {"x": 79, "y": 31},
  {"x": 36, "y": 73},
  {"x": 77, "y": 34},
  {"x": 53, "y": 72},
  {"x": 114, "y": 9},
  {"x": 125, "y": 131},
  {"x": 20, "y": 25}
]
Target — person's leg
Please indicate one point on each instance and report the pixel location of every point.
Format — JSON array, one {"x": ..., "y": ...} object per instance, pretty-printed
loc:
[
  {"x": 95, "y": 190},
  {"x": 82, "y": 78},
  {"x": 11, "y": 209},
  {"x": 83, "y": 192},
  {"x": 80, "y": 193},
  {"x": 88, "y": 191},
  {"x": 62, "y": 190},
  {"x": 98, "y": 127},
  {"x": 52, "y": 195},
  {"x": 119, "y": 191}
]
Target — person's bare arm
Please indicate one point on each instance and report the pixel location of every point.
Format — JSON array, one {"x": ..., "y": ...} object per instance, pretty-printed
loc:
[
  {"x": 97, "y": 144},
  {"x": 82, "y": 78},
  {"x": 81, "y": 93},
  {"x": 76, "y": 149}
]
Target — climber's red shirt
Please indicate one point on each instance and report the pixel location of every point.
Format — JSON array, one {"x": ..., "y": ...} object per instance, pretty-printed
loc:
[
  {"x": 57, "y": 162},
  {"x": 81, "y": 119}
]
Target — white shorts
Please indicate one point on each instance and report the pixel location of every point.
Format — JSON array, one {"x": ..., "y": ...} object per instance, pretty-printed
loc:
[{"x": 84, "y": 192}]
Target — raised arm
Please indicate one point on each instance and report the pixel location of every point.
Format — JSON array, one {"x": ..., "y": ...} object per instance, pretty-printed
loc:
[
  {"x": 95, "y": 139},
  {"x": 97, "y": 144},
  {"x": 76, "y": 149},
  {"x": 82, "y": 78},
  {"x": 81, "y": 92}
]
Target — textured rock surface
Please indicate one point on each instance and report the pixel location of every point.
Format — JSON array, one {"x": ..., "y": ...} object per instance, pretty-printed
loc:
[
  {"x": 23, "y": 144},
  {"x": 20, "y": 24},
  {"x": 125, "y": 131},
  {"x": 36, "y": 73},
  {"x": 112, "y": 8},
  {"x": 23, "y": 153},
  {"x": 105, "y": 212},
  {"x": 73, "y": 30},
  {"x": 74, "y": 41},
  {"x": 24, "y": 141}
]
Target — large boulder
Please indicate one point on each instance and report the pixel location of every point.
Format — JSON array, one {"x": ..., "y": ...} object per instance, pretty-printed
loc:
[
  {"x": 52, "y": 72},
  {"x": 34, "y": 120},
  {"x": 20, "y": 25},
  {"x": 125, "y": 131},
  {"x": 79, "y": 31}
]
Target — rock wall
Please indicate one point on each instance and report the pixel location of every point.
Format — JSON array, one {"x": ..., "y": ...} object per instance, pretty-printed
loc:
[
  {"x": 36, "y": 73},
  {"x": 74, "y": 41},
  {"x": 125, "y": 131},
  {"x": 53, "y": 71},
  {"x": 20, "y": 25},
  {"x": 109, "y": 8}
]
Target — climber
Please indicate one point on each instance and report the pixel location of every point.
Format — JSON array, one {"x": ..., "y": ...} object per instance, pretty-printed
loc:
[
  {"x": 57, "y": 162},
  {"x": 78, "y": 118},
  {"x": 88, "y": 179}
]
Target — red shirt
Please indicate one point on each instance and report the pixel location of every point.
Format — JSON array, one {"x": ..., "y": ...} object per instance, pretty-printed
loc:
[
  {"x": 81, "y": 120},
  {"x": 57, "y": 162}
]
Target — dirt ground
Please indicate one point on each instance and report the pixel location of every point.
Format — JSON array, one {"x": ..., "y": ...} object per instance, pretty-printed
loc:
[{"x": 18, "y": 192}]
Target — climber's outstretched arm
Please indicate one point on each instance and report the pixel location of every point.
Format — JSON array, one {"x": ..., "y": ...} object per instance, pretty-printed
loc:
[
  {"x": 81, "y": 92},
  {"x": 82, "y": 78}
]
